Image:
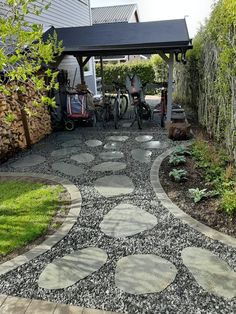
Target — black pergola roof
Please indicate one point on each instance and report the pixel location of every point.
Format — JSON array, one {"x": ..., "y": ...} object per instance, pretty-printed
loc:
[{"x": 125, "y": 38}]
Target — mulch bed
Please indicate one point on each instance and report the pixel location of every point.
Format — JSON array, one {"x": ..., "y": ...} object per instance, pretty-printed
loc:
[
  {"x": 207, "y": 210},
  {"x": 56, "y": 222}
]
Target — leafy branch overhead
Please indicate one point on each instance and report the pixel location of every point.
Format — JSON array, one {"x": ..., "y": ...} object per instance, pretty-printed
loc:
[{"x": 24, "y": 53}]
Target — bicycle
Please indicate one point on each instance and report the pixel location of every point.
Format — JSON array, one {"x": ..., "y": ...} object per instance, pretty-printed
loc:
[
  {"x": 135, "y": 89},
  {"x": 112, "y": 107}
]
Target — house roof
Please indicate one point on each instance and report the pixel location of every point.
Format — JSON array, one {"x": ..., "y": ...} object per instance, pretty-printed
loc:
[
  {"x": 113, "y": 14},
  {"x": 126, "y": 38}
]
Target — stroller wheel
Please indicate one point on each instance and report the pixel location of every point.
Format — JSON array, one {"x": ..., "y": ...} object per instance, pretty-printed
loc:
[{"x": 69, "y": 125}]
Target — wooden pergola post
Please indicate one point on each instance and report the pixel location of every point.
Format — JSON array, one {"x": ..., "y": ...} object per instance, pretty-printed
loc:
[
  {"x": 82, "y": 63},
  {"x": 102, "y": 77},
  {"x": 170, "y": 62}
]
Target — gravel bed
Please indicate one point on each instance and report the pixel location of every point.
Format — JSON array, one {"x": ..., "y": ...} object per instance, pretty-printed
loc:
[{"x": 167, "y": 239}]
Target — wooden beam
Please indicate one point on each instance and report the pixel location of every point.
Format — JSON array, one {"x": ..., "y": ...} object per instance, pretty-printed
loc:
[
  {"x": 86, "y": 61},
  {"x": 163, "y": 56},
  {"x": 102, "y": 77}
]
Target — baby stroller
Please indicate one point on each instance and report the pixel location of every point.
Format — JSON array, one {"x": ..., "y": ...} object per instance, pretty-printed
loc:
[{"x": 79, "y": 108}]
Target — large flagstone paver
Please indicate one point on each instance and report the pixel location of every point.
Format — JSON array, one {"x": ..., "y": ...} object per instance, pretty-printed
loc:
[
  {"x": 118, "y": 138},
  {"x": 114, "y": 185},
  {"x": 83, "y": 158},
  {"x": 66, "y": 271},
  {"x": 143, "y": 138},
  {"x": 71, "y": 143},
  {"x": 210, "y": 272},
  {"x": 68, "y": 169},
  {"x": 126, "y": 220},
  {"x": 28, "y": 161},
  {"x": 93, "y": 143},
  {"x": 109, "y": 166},
  {"x": 13, "y": 305},
  {"x": 113, "y": 145},
  {"x": 154, "y": 145},
  {"x": 64, "y": 151},
  {"x": 141, "y": 155},
  {"x": 111, "y": 155},
  {"x": 141, "y": 274}
]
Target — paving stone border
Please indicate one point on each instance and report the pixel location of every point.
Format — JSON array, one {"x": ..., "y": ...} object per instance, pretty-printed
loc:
[
  {"x": 74, "y": 211},
  {"x": 13, "y": 305},
  {"x": 177, "y": 212}
]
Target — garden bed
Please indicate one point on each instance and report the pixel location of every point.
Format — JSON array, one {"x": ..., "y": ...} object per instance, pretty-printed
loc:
[
  {"x": 30, "y": 210},
  {"x": 207, "y": 210}
]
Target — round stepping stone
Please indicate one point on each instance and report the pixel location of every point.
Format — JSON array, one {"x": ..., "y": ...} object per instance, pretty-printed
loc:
[
  {"x": 154, "y": 145},
  {"x": 93, "y": 143},
  {"x": 114, "y": 185},
  {"x": 111, "y": 155},
  {"x": 72, "y": 143},
  {"x": 112, "y": 145},
  {"x": 141, "y": 155},
  {"x": 68, "y": 169},
  {"x": 126, "y": 220},
  {"x": 118, "y": 138},
  {"x": 141, "y": 274},
  {"x": 83, "y": 158},
  {"x": 64, "y": 151},
  {"x": 66, "y": 271},
  {"x": 143, "y": 138},
  {"x": 28, "y": 161},
  {"x": 211, "y": 273},
  {"x": 109, "y": 166}
]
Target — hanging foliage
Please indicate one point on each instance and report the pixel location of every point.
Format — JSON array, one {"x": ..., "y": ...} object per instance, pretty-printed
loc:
[{"x": 208, "y": 82}]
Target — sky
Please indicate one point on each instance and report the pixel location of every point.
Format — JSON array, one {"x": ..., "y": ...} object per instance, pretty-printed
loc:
[{"x": 195, "y": 11}]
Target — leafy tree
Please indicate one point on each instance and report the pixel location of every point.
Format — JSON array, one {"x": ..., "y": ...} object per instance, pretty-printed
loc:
[{"x": 25, "y": 58}]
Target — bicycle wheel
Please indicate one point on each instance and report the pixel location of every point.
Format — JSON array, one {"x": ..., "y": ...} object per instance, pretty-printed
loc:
[
  {"x": 116, "y": 113},
  {"x": 140, "y": 116},
  {"x": 123, "y": 105}
]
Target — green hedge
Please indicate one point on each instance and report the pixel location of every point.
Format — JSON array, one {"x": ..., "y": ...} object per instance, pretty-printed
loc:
[
  {"x": 151, "y": 70},
  {"x": 208, "y": 82}
]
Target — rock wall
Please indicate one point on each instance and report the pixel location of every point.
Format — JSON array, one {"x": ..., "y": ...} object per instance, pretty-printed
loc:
[{"x": 12, "y": 136}]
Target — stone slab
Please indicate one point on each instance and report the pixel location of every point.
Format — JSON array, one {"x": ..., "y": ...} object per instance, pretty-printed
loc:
[
  {"x": 68, "y": 169},
  {"x": 113, "y": 145},
  {"x": 72, "y": 143},
  {"x": 109, "y": 166},
  {"x": 13, "y": 305},
  {"x": 93, "y": 143},
  {"x": 141, "y": 274},
  {"x": 210, "y": 272},
  {"x": 68, "y": 309},
  {"x": 126, "y": 220},
  {"x": 143, "y": 138},
  {"x": 141, "y": 155},
  {"x": 66, "y": 271},
  {"x": 64, "y": 151},
  {"x": 39, "y": 307},
  {"x": 118, "y": 138},
  {"x": 28, "y": 161},
  {"x": 111, "y": 155},
  {"x": 114, "y": 185},
  {"x": 154, "y": 145},
  {"x": 83, "y": 158}
]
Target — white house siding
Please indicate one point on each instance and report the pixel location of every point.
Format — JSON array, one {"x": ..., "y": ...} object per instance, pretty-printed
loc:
[{"x": 67, "y": 13}]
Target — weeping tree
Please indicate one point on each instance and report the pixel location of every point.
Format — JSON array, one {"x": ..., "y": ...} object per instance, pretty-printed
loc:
[
  {"x": 208, "y": 82},
  {"x": 25, "y": 58}
]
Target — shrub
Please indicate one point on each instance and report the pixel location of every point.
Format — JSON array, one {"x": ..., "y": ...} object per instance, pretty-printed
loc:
[
  {"x": 176, "y": 160},
  {"x": 197, "y": 194},
  {"x": 228, "y": 202},
  {"x": 178, "y": 174},
  {"x": 181, "y": 150}
]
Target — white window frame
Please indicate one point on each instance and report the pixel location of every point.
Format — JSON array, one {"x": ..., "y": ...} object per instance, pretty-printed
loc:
[{"x": 90, "y": 68}]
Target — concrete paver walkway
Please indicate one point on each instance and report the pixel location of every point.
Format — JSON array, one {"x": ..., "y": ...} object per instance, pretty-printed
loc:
[{"x": 143, "y": 267}]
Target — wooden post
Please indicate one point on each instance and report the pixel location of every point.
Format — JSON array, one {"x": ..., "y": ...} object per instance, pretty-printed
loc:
[
  {"x": 102, "y": 77},
  {"x": 170, "y": 86},
  {"x": 25, "y": 123},
  {"x": 81, "y": 68}
]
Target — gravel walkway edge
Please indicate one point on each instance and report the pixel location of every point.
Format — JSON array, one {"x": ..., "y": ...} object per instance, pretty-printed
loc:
[
  {"x": 74, "y": 211},
  {"x": 177, "y": 212}
]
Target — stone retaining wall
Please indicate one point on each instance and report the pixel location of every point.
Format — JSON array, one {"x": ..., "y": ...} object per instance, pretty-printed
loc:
[{"x": 12, "y": 137}]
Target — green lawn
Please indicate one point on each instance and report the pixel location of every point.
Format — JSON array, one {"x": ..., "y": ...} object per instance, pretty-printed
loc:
[{"x": 26, "y": 210}]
